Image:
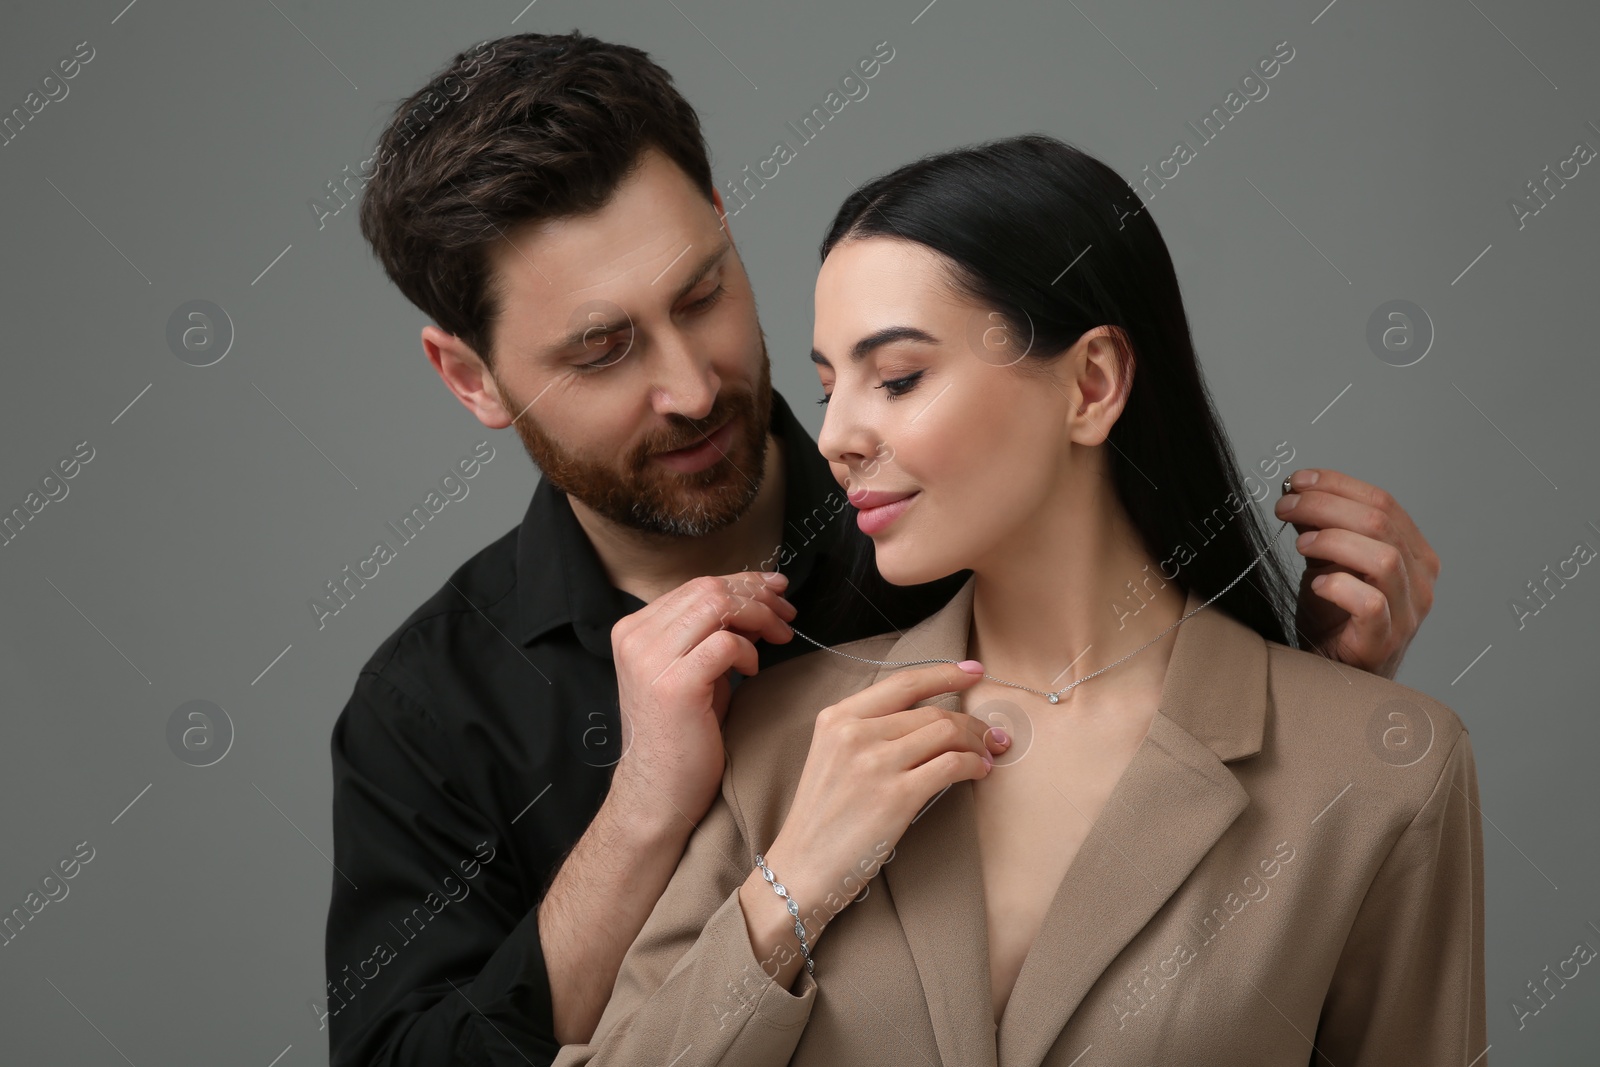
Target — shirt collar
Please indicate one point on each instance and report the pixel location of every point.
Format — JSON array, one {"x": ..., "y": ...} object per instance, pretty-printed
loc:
[{"x": 561, "y": 581}]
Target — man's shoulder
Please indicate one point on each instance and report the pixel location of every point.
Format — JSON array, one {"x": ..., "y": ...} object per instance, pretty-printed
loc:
[{"x": 479, "y": 592}]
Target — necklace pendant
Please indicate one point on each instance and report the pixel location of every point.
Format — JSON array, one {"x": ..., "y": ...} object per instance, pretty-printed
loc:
[{"x": 1054, "y": 698}]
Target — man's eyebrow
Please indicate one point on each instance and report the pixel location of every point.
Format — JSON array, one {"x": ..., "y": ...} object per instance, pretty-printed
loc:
[
  {"x": 713, "y": 258},
  {"x": 601, "y": 328},
  {"x": 887, "y": 335}
]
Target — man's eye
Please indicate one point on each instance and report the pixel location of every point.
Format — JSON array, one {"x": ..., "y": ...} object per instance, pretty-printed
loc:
[
  {"x": 612, "y": 353},
  {"x": 709, "y": 299}
]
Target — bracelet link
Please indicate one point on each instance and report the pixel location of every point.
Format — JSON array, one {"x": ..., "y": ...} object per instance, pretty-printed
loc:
[{"x": 794, "y": 909}]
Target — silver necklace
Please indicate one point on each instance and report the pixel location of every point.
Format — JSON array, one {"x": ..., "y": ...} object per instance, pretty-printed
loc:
[{"x": 1055, "y": 697}]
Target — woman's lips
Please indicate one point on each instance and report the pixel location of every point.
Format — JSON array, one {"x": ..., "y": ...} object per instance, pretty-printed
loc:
[
  {"x": 699, "y": 457},
  {"x": 875, "y": 511}
]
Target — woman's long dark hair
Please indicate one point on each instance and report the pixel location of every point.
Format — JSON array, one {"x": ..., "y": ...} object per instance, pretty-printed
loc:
[{"x": 1010, "y": 216}]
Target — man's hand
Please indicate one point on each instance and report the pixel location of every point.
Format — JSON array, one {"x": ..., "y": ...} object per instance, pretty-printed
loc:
[
  {"x": 672, "y": 659},
  {"x": 1369, "y": 576}
]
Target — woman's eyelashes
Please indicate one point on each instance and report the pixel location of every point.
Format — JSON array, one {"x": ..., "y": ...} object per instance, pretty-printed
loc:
[
  {"x": 895, "y": 387},
  {"x": 900, "y": 386}
]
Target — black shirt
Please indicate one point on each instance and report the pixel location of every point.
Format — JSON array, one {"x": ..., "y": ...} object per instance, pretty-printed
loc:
[{"x": 477, "y": 745}]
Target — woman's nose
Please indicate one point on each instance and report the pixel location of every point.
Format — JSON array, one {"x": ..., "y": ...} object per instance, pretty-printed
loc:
[{"x": 845, "y": 438}]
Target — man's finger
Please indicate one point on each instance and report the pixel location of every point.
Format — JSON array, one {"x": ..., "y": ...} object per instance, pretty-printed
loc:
[
  {"x": 689, "y": 614},
  {"x": 1379, "y": 563},
  {"x": 1317, "y": 509},
  {"x": 1331, "y": 488},
  {"x": 1366, "y": 635}
]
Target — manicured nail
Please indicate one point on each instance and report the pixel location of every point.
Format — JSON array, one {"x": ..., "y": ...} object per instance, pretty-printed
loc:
[
  {"x": 1001, "y": 736},
  {"x": 971, "y": 666},
  {"x": 987, "y": 762}
]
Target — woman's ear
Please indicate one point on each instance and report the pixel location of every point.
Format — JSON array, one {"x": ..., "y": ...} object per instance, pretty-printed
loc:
[{"x": 1099, "y": 371}]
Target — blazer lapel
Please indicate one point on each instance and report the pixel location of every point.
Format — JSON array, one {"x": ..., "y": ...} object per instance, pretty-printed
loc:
[
  {"x": 1173, "y": 802},
  {"x": 934, "y": 879}
]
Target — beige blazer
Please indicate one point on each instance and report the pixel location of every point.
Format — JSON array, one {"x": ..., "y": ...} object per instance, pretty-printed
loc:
[{"x": 1290, "y": 865}]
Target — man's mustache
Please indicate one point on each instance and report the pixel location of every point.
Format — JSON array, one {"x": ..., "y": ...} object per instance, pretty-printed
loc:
[{"x": 699, "y": 432}]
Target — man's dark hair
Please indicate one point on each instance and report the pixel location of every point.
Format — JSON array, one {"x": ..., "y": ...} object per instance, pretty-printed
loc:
[{"x": 523, "y": 128}]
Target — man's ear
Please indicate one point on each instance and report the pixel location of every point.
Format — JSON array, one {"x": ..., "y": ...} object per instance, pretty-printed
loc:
[
  {"x": 466, "y": 375},
  {"x": 722, "y": 212}
]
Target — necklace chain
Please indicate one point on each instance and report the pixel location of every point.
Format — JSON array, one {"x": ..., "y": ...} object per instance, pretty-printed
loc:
[{"x": 1055, "y": 697}]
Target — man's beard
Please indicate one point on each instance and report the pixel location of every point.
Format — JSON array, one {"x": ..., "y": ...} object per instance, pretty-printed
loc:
[{"x": 645, "y": 495}]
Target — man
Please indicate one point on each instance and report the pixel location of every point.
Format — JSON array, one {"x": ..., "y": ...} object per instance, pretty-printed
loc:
[{"x": 507, "y": 810}]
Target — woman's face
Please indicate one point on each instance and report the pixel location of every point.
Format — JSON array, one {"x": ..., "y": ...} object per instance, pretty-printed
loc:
[{"x": 951, "y": 453}]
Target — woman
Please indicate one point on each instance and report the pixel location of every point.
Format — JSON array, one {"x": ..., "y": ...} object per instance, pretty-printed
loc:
[{"x": 1217, "y": 849}]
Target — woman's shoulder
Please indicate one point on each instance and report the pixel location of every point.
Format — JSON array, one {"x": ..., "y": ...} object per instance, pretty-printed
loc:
[
  {"x": 783, "y": 700},
  {"x": 767, "y": 731},
  {"x": 1358, "y": 729}
]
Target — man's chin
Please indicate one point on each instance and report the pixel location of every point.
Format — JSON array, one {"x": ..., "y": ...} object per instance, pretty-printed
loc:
[
  {"x": 688, "y": 505},
  {"x": 651, "y": 497},
  {"x": 693, "y": 512}
]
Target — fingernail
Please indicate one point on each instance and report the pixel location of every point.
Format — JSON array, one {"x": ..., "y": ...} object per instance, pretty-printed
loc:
[
  {"x": 1306, "y": 538},
  {"x": 987, "y": 762},
  {"x": 1309, "y": 480},
  {"x": 1287, "y": 503},
  {"x": 1001, "y": 736},
  {"x": 773, "y": 576},
  {"x": 971, "y": 666}
]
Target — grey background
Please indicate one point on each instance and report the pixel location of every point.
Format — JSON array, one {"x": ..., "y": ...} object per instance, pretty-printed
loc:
[{"x": 180, "y": 565}]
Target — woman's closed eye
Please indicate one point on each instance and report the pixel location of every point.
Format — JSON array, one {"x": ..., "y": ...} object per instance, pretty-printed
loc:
[{"x": 895, "y": 387}]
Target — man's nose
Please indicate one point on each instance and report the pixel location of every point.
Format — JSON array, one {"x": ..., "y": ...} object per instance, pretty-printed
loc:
[{"x": 685, "y": 382}]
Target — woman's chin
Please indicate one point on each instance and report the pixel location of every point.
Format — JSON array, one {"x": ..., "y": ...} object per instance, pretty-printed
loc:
[{"x": 900, "y": 567}]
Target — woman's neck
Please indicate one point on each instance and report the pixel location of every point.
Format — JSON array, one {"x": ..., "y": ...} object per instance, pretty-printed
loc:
[{"x": 1048, "y": 613}]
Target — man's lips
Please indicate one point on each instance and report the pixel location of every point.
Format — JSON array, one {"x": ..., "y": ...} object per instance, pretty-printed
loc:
[
  {"x": 698, "y": 455},
  {"x": 698, "y": 441}
]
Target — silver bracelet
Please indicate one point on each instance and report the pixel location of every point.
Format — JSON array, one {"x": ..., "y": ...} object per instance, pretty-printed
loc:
[{"x": 794, "y": 909}]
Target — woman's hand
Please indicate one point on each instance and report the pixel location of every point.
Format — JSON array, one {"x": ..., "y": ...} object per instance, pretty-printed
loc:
[{"x": 874, "y": 763}]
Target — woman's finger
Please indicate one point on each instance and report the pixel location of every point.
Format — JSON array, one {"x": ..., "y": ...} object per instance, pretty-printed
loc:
[
  {"x": 913, "y": 719},
  {"x": 904, "y": 688},
  {"x": 946, "y": 769},
  {"x": 939, "y": 736}
]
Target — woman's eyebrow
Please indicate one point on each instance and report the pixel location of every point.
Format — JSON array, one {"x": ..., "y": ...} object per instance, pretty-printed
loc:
[{"x": 889, "y": 334}]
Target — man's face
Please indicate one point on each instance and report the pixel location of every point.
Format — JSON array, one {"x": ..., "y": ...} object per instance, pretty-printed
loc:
[{"x": 629, "y": 353}]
